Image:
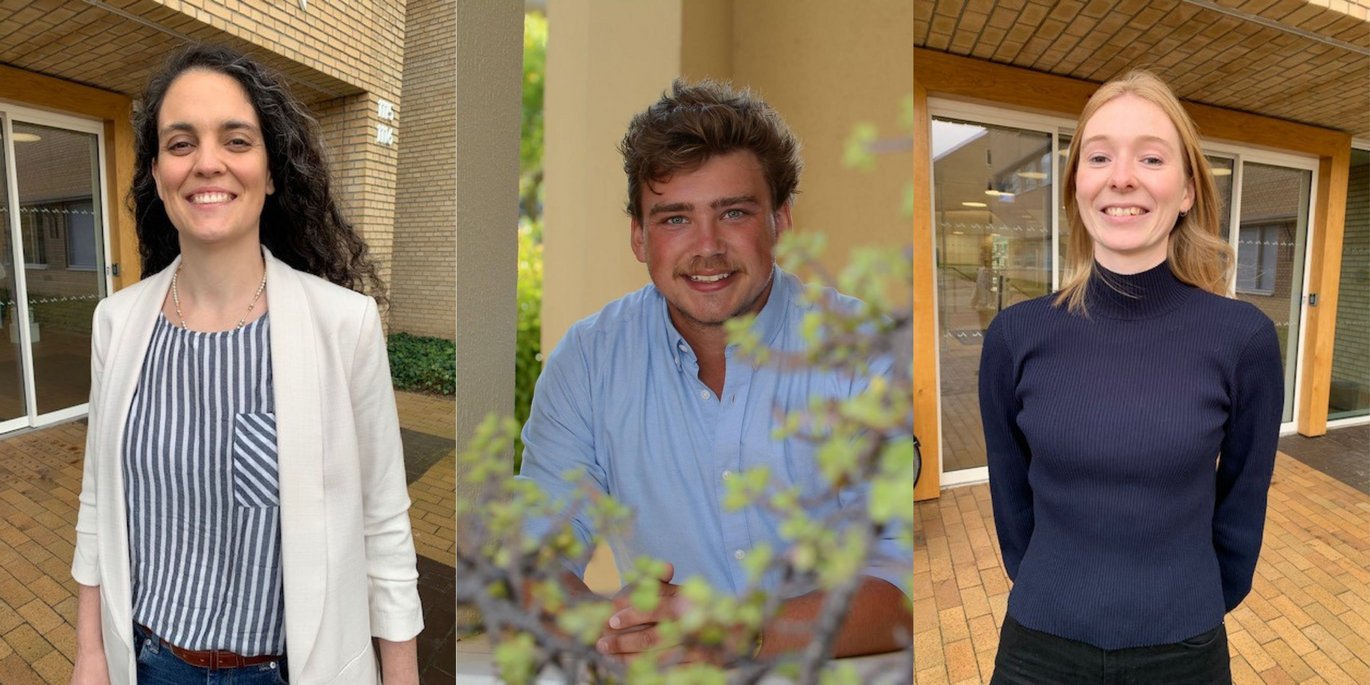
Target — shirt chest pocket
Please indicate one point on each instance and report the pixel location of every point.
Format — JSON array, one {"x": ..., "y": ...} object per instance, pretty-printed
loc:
[{"x": 256, "y": 468}]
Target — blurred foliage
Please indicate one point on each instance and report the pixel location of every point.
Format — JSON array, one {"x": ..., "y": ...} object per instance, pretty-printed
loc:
[
  {"x": 861, "y": 147},
  {"x": 531, "y": 140},
  {"x": 528, "y": 350},
  {"x": 513, "y": 541},
  {"x": 422, "y": 364}
]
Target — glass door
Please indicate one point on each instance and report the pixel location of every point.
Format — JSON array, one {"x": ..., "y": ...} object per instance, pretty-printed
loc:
[
  {"x": 54, "y": 265},
  {"x": 1271, "y": 247},
  {"x": 13, "y": 392},
  {"x": 993, "y": 218}
]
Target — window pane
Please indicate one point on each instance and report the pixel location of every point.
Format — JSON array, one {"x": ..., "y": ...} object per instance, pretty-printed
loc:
[
  {"x": 12, "y": 402},
  {"x": 59, "y": 201},
  {"x": 992, "y": 205},
  {"x": 1273, "y": 232}
]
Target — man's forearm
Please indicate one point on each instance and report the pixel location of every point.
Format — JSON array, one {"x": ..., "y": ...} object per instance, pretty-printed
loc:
[{"x": 875, "y": 620}]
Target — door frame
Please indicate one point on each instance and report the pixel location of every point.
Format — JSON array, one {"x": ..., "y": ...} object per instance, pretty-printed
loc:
[
  {"x": 9, "y": 113},
  {"x": 1053, "y": 126}
]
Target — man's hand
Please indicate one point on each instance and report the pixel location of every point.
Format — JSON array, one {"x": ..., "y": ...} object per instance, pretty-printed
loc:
[{"x": 631, "y": 631}]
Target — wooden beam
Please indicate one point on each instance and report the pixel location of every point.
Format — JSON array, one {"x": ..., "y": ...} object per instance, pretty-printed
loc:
[
  {"x": 969, "y": 79},
  {"x": 925, "y": 383},
  {"x": 57, "y": 95},
  {"x": 1324, "y": 278},
  {"x": 123, "y": 229}
]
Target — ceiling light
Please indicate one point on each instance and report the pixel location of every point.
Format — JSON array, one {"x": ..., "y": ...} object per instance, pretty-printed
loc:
[
  {"x": 992, "y": 192},
  {"x": 27, "y": 137},
  {"x": 1221, "y": 171},
  {"x": 1035, "y": 175},
  {"x": 958, "y": 232},
  {"x": 973, "y": 204}
]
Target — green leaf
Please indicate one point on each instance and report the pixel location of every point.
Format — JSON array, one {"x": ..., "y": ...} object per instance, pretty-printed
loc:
[
  {"x": 891, "y": 500},
  {"x": 840, "y": 673},
  {"x": 646, "y": 596},
  {"x": 515, "y": 657},
  {"x": 757, "y": 561},
  {"x": 857, "y": 151}
]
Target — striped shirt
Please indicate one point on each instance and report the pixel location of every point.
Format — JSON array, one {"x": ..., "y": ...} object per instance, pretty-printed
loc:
[{"x": 203, "y": 500}]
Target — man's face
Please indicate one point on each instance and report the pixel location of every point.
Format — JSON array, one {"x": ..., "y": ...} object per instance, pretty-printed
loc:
[{"x": 708, "y": 238}]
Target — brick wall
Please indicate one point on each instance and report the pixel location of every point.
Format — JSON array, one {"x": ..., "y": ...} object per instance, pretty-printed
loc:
[
  {"x": 1351, "y": 353},
  {"x": 1359, "y": 9},
  {"x": 360, "y": 43},
  {"x": 363, "y": 170},
  {"x": 424, "y": 283}
]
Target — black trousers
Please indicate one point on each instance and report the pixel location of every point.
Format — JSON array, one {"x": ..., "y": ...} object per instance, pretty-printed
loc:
[{"x": 1031, "y": 657}]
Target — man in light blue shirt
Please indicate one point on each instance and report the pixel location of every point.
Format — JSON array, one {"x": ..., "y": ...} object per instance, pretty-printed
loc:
[{"x": 647, "y": 398}]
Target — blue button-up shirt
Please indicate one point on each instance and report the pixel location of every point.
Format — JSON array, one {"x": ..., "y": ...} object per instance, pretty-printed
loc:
[{"x": 620, "y": 398}]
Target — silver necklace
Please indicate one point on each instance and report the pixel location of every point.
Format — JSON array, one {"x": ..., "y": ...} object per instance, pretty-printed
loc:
[{"x": 176, "y": 300}]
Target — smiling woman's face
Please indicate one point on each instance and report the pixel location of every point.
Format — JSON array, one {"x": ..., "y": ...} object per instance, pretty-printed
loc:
[
  {"x": 211, "y": 165},
  {"x": 1131, "y": 185}
]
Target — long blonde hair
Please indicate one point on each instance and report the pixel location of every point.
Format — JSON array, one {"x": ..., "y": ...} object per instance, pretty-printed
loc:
[{"x": 1197, "y": 255}]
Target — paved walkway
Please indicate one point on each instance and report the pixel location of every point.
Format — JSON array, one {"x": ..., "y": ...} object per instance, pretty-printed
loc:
[
  {"x": 1307, "y": 619},
  {"x": 40, "y": 477}
]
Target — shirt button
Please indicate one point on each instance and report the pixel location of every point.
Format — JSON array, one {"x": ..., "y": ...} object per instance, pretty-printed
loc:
[
  {"x": 704, "y": 394},
  {"x": 739, "y": 554},
  {"x": 727, "y": 475}
]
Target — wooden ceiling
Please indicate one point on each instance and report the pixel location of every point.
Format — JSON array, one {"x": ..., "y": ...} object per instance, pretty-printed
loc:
[
  {"x": 116, "y": 45},
  {"x": 1289, "y": 59}
]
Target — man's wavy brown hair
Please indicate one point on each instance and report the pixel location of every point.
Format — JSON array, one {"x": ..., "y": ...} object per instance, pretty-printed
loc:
[{"x": 696, "y": 121}]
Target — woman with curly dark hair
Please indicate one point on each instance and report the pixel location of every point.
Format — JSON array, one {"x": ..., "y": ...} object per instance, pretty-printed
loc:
[{"x": 244, "y": 507}]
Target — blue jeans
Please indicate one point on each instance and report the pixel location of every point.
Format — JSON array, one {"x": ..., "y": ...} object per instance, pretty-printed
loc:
[
  {"x": 1031, "y": 657},
  {"x": 158, "y": 666}
]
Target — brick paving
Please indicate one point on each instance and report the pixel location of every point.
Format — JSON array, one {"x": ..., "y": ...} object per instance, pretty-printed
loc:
[
  {"x": 40, "y": 478},
  {"x": 1307, "y": 619}
]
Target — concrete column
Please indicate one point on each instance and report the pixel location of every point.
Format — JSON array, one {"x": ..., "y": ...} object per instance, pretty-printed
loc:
[
  {"x": 606, "y": 60},
  {"x": 489, "y": 54}
]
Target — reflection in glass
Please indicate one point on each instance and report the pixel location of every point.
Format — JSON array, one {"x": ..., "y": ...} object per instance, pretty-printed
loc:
[
  {"x": 1350, "y": 395},
  {"x": 1273, "y": 230},
  {"x": 12, "y": 404},
  {"x": 992, "y": 204},
  {"x": 60, "y": 233},
  {"x": 1221, "y": 167}
]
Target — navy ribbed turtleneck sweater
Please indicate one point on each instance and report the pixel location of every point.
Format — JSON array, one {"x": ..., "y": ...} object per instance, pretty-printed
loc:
[{"x": 1130, "y": 450}]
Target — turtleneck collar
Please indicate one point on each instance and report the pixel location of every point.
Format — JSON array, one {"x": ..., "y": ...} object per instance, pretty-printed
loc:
[{"x": 1143, "y": 295}]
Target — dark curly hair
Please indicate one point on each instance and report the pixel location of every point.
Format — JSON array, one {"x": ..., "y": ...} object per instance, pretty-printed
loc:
[
  {"x": 695, "y": 122},
  {"x": 302, "y": 223}
]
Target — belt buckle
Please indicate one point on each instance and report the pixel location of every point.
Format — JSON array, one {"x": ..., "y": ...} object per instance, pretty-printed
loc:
[{"x": 224, "y": 660}]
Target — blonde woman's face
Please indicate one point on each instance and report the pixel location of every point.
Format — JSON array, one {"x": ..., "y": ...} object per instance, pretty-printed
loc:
[{"x": 1130, "y": 185}]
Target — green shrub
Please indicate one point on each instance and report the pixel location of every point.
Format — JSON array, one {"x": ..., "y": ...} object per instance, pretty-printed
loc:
[
  {"x": 528, "y": 357},
  {"x": 423, "y": 364}
]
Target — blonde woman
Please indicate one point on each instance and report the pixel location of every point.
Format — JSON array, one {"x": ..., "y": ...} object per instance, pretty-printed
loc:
[{"x": 1130, "y": 419}]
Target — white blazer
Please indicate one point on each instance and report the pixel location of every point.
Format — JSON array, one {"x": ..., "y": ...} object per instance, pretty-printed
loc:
[{"x": 346, "y": 548}]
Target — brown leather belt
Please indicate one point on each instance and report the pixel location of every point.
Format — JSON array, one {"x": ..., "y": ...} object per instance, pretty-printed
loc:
[{"x": 213, "y": 659}]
